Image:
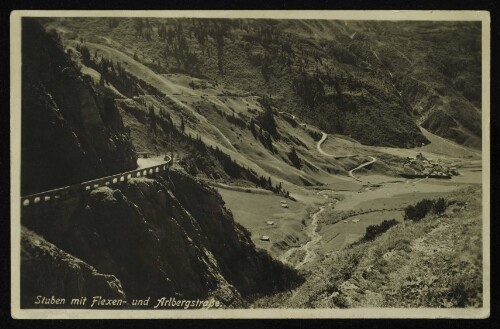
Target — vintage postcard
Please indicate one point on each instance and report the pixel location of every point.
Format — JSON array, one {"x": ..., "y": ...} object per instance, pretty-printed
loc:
[{"x": 250, "y": 164}]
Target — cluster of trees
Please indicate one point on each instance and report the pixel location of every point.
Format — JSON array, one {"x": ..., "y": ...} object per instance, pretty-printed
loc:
[
  {"x": 294, "y": 158},
  {"x": 143, "y": 28},
  {"x": 268, "y": 185},
  {"x": 341, "y": 54},
  {"x": 177, "y": 46},
  {"x": 281, "y": 53},
  {"x": 236, "y": 120},
  {"x": 231, "y": 167},
  {"x": 219, "y": 30},
  {"x": 266, "y": 68},
  {"x": 312, "y": 89},
  {"x": 287, "y": 51},
  {"x": 194, "y": 86},
  {"x": 263, "y": 33},
  {"x": 177, "y": 34},
  {"x": 276, "y": 46},
  {"x": 113, "y": 22},
  {"x": 111, "y": 75},
  {"x": 422, "y": 208},
  {"x": 266, "y": 119},
  {"x": 152, "y": 119},
  {"x": 199, "y": 153},
  {"x": 264, "y": 127},
  {"x": 316, "y": 135},
  {"x": 85, "y": 53},
  {"x": 309, "y": 88},
  {"x": 176, "y": 37},
  {"x": 373, "y": 231},
  {"x": 165, "y": 33},
  {"x": 291, "y": 120},
  {"x": 262, "y": 135},
  {"x": 115, "y": 74}
]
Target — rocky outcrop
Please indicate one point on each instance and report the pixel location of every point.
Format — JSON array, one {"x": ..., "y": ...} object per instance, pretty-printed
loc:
[
  {"x": 71, "y": 131},
  {"x": 169, "y": 236},
  {"x": 47, "y": 271},
  {"x": 443, "y": 124},
  {"x": 249, "y": 270}
]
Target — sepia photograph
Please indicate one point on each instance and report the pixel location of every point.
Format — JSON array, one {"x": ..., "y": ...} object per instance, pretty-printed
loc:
[{"x": 281, "y": 164}]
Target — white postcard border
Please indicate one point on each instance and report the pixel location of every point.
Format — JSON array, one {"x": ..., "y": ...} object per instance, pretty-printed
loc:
[{"x": 355, "y": 313}]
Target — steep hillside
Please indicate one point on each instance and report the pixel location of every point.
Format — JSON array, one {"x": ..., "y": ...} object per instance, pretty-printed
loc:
[
  {"x": 71, "y": 130},
  {"x": 371, "y": 80},
  {"x": 167, "y": 236},
  {"x": 62, "y": 274},
  {"x": 435, "y": 261},
  {"x": 170, "y": 236},
  {"x": 220, "y": 134}
]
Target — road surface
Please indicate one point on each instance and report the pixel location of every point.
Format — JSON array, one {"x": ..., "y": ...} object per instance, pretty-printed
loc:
[
  {"x": 324, "y": 136},
  {"x": 144, "y": 168},
  {"x": 361, "y": 166}
]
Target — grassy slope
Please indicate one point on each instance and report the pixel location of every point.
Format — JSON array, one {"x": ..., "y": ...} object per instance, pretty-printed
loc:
[
  {"x": 287, "y": 230},
  {"x": 203, "y": 117},
  {"x": 432, "y": 263},
  {"x": 243, "y": 77},
  {"x": 443, "y": 146},
  {"x": 390, "y": 75}
]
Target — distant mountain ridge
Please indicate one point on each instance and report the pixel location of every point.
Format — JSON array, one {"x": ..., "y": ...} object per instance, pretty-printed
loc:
[{"x": 373, "y": 81}]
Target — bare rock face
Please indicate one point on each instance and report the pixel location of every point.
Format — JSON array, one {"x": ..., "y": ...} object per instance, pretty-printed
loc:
[
  {"x": 169, "y": 236},
  {"x": 165, "y": 237},
  {"x": 250, "y": 270},
  {"x": 48, "y": 271},
  {"x": 71, "y": 131}
]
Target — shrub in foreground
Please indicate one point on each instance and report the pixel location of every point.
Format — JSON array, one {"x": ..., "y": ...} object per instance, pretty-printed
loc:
[
  {"x": 424, "y": 207},
  {"x": 373, "y": 231}
]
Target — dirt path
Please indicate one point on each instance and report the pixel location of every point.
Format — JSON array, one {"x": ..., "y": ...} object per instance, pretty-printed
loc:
[
  {"x": 314, "y": 239},
  {"x": 361, "y": 166},
  {"x": 237, "y": 188},
  {"x": 419, "y": 180},
  {"x": 150, "y": 162},
  {"x": 324, "y": 136},
  {"x": 171, "y": 89},
  {"x": 318, "y": 146}
]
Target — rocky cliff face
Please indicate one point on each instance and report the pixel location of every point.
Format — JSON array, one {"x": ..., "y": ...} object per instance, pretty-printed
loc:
[
  {"x": 71, "y": 131},
  {"x": 170, "y": 236},
  {"x": 48, "y": 271},
  {"x": 165, "y": 237}
]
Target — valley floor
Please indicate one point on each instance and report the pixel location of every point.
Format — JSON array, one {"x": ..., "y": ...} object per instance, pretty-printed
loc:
[{"x": 326, "y": 221}]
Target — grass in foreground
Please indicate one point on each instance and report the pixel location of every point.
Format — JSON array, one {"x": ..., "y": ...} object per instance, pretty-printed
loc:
[{"x": 435, "y": 262}]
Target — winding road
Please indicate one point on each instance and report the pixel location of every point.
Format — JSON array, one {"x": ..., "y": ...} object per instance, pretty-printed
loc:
[
  {"x": 62, "y": 192},
  {"x": 318, "y": 146},
  {"x": 324, "y": 136},
  {"x": 361, "y": 166},
  {"x": 171, "y": 90},
  {"x": 320, "y": 150}
]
